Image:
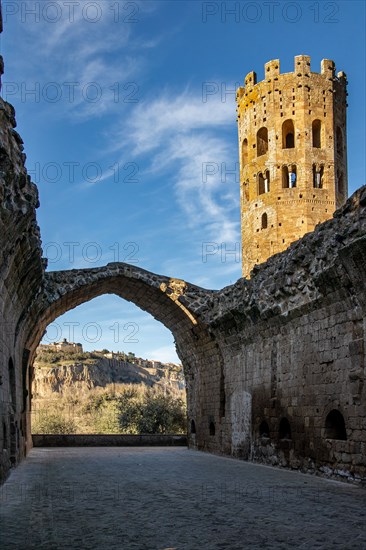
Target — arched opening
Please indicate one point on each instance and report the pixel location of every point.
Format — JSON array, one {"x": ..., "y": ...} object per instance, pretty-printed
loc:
[
  {"x": 339, "y": 142},
  {"x": 244, "y": 152},
  {"x": 155, "y": 295},
  {"x": 318, "y": 173},
  {"x": 288, "y": 134},
  {"x": 284, "y": 431},
  {"x": 292, "y": 176},
  {"x": 212, "y": 428},
  {"x": 316, "y": 133},
  {"x": 264, "y": 221},
  {"x": 117, "y": 374},
  {"x": 335, "y": 426},
  {"x": 12, "y": 383},
  {"x": 263, "y": 429},
  {"x": 289, "y": 177},
  {"x": 263, "y": 182},
  {"x": 262, "y": 141},
  {"x": 193, "y": 427}
]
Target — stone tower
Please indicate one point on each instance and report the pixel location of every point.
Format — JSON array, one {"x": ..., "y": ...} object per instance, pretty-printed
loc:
[{"x": 293, "y": 157}]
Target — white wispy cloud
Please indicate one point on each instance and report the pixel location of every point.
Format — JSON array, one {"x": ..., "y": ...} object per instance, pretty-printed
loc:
[
  {"x": 73, "y": 52},
  {"x": 185, "y": 139}
]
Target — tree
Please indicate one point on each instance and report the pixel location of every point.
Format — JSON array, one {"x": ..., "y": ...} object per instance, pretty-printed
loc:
[{"x": 162, "y": 414}]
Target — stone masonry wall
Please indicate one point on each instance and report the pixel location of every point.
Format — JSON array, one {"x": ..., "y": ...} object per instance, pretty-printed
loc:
[{"x": 292, "y": 341}]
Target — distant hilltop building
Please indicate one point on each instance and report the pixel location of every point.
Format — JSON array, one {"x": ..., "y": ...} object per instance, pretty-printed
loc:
[
  {"x": 293, "y": 155},
  {"x": 64, "y": 345},
  {"x": 139, "y": 361}
]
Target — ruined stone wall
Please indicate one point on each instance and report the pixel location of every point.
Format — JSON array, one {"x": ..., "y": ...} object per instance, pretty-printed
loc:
[
  {"x": 21, "y": 274},
  {"x": 290, "y": 123},
  {"x": 292, "y": 342}
]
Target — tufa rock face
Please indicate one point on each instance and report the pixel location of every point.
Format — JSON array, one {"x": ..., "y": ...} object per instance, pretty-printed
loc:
[{"x": 100, "y": 372}]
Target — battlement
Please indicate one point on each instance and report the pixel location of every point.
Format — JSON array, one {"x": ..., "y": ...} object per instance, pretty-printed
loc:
[{"x": 302, "y": 68}]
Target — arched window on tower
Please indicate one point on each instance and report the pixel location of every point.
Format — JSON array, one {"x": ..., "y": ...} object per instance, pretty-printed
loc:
[
  {"x": 339, "y": 142},
  {"x": 292, "y": 176},
  {"x": 193, "y": 427},
  {"x": 289, "y": 176},
  {"x": 264, "y": 222},
  {"x": 316, "y": 133},
  {"x": 262, "y": 141},
  {"x": 318, "y": 173},
  {"x": 288, "y": 135},
  {"x": 244, "y": 152}
]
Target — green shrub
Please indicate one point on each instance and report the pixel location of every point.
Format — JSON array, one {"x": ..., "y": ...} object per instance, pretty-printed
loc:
[{"x": 44, "y": 422}]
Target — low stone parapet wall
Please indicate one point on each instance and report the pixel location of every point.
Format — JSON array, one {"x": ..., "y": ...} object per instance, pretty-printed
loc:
[{"x": 110, "y": 440}]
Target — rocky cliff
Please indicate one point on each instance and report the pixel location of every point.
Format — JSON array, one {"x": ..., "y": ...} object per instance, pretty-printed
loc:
[{"x": 92, "y": 372}]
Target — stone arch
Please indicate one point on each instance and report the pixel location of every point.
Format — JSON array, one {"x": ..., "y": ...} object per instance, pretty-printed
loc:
[
  {"x": 193, "y": 427},
  {"x": 335, "y": 427},
  {"x": 173, "y": 302},
  {"x": 164, "y": 298}
]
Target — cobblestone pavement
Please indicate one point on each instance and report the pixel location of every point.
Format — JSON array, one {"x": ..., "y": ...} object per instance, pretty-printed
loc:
[{"x": 172, "y": 498}]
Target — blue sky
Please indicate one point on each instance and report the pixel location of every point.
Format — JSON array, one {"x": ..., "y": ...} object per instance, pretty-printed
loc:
[{"x": 127, "y": 111}]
